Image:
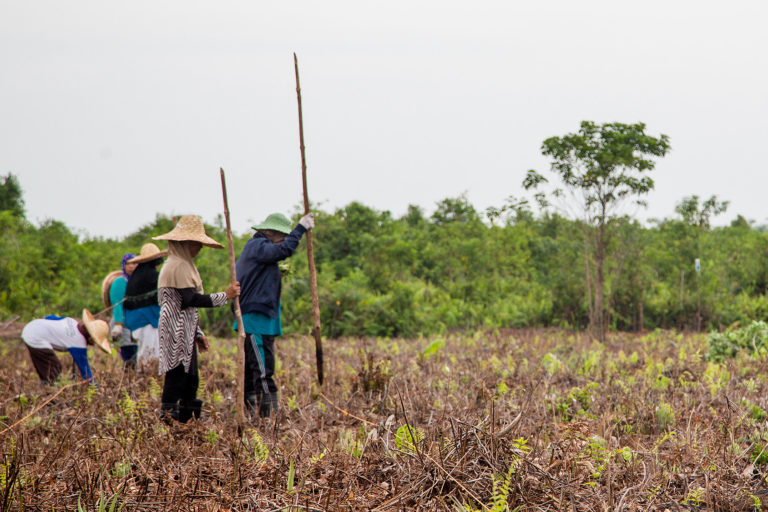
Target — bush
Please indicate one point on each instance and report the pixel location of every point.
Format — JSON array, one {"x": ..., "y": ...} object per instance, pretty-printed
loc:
[{"x": 753, "y": 339}]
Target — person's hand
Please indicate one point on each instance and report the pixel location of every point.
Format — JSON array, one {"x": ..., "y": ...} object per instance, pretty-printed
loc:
[
  {"x": 117, "y": 331},
  {"x": 233, "y": 290},
  {"x": 202, "y": 344},
  {"x": 308, "y": 221}
]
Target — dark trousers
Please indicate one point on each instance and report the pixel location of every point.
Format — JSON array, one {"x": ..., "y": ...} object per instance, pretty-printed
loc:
[
  {"x": 181, "y": 385},
  {"x": 46, "y": 363},
  {"x": 259, "y": 365}
]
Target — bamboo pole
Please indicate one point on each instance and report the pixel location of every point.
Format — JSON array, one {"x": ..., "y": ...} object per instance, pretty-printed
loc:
[
  {"x": 310, "y": 252},
  {"x": 238, "y": 314}
]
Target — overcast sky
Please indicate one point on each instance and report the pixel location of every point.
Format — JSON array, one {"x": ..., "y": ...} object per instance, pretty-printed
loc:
[{"x": 113, "y": 112}]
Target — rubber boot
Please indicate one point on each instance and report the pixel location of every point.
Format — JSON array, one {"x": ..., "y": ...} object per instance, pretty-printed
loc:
[
  {"x": 189, "y": 409},
  {"x": 169, "y": 411},
  {"x": 268, "y": 405},
  {"x": 196, "y": 406}
]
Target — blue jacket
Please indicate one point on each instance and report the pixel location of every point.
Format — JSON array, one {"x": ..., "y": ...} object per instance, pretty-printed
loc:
[{"x": 259, "y": 274}]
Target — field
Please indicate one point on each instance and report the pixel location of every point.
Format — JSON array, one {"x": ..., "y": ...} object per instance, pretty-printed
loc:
[{"x": 515, "y": 420}]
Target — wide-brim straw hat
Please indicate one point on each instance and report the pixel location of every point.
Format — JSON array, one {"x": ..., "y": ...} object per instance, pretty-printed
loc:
[
  {"x": 99, "y": 331},
  {"x": 275, "y": 222},
  {"x": 106, "y": 284},
  {"x": 149, "y": 252},
  {"x": 190, "y": 229}
]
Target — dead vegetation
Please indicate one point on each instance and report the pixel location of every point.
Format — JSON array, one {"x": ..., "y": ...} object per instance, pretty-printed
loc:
[{"x": 520, "y": 420}]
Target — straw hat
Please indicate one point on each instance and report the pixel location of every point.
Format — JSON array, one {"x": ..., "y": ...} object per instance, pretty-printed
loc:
[
  {"x": 275, "y": 222},
  {"x": 106, "y": 284},
  {"x": 190, "y": 229},
  {"x": 148, "y": 252},
  {"x": 99, "y": 331}
]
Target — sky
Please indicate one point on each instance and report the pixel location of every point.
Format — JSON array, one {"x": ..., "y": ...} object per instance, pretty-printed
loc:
[{"x": 111, "y": 113}]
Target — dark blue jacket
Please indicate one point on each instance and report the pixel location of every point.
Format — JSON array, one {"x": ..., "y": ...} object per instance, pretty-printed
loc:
[{"x": 259, "y": 274}]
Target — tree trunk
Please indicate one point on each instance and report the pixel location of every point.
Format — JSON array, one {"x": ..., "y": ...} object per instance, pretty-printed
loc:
[
  {"x": 599, "y": 323},
  {"x": 599, "y": 286},
  {"x": 588, "y": 280}
]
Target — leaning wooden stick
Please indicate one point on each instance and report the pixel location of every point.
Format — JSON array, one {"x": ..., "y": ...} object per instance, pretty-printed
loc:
[
  {"x": 238, "y": 314},
  {"x": 310, "y": 253}
]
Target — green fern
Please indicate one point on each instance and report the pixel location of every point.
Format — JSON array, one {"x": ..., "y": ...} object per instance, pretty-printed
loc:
[
  {"x": 408, "y": 439},
  {"x": 502, "y": 484},
  {"x": 258, "y": 447},
  {"x": 103, "y": 504}
]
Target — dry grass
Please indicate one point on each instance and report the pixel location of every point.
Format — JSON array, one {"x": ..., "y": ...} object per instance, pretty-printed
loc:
[{"x": 641, "y": 423}]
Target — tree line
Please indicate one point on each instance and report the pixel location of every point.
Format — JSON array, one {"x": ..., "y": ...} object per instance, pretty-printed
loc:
[
  {"x": 567, "y": 257},
  {"x": 381, "y": 275}
]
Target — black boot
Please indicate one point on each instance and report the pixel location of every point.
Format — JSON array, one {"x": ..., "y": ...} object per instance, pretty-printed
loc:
[
  {"x": 196, "y": 406},
  {"x": 189, "y": 409},
  {"x": 169, "y": 411}
]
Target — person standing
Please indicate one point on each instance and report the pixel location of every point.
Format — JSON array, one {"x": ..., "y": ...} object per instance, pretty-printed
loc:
[
  {"x": 142, "y": 309},
  {"x": 258, "y": 271},
  {"x": 46, "y": 336},
  {"x": 116, "y": 294},
  {"x": 180, "y": 293}
]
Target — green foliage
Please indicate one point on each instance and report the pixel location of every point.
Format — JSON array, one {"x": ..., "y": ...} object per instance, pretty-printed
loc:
[
  {"x": 11, "y": 195},
  {"x": 211, "y": 436},
  {"x": 351, "y": 441},
  {"x": 256, "y": 445},
  {"x": 291, "y": 476},
  {"x": 127, "y": 405},
  {"x": 428, "y": 274},
  {"x": 603, "y": 166},
  {"x": 695, "y": 497},
  {"x": 433, "y": 347},
  {"x": 103, "y": 504},
  {"x": 753, "y": 339},
  {"x": 665, "y": 415},
  {"x": 408, "y": 439},
  {"x": 501, "y": 487}
]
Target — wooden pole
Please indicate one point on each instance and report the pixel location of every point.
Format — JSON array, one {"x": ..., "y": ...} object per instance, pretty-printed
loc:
[
  {"x": 238, "y": 314},
  {"x": 310, "y": 252}
]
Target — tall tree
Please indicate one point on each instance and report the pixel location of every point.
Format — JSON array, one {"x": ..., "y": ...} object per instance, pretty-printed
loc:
[
  {"x": 11, "y": 195},
  {"x": 602, "y": 167}
]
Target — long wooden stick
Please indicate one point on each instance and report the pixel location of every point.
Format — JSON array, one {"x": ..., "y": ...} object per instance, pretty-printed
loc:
[
  {"x": 310, "y": 252},
  {"x": 238, "y": 314}
]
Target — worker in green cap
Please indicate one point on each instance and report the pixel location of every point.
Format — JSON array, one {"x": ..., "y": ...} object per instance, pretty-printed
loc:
[{"x": 260, "y": 280}]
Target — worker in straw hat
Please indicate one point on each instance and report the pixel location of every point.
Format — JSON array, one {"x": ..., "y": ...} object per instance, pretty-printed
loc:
[
  {"x": 258, "y": 271},
  {"x": 46, "y": 336},
  {"x": 113, "y": 294},
  {"x": 181, "y": 293},
  {"x": 142, "y": 309}
]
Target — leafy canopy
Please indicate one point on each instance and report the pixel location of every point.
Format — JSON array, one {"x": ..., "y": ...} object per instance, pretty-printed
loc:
[
  {"x": 606, "y": 163},
  {"x": 11, "y": 195}
]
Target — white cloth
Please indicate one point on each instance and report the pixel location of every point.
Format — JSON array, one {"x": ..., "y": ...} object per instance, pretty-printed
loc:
[
  {"x": 58, "y": 335},
  {"x": 308, "y": 221},
  {"x": 180, "y": 270},
  {"x": 149, "y": 346}
]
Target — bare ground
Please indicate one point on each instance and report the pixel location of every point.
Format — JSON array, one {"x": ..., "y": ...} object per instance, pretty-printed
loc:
[{"x": 530, "y": 419}]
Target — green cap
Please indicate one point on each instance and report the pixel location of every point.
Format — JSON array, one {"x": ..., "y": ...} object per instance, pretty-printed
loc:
[{"x": 275, "y": 222}]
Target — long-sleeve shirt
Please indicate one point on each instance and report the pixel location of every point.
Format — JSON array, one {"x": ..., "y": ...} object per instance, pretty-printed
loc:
[
  {"x": 179, "y": 324},
  {"x": 116, "y": 295},
  {"x": 61, "y": 335},
  {"x": 258, "y": 272}
]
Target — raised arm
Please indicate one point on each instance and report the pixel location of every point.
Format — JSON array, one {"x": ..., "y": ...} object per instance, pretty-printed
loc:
[{"x": 271, "y": 253}]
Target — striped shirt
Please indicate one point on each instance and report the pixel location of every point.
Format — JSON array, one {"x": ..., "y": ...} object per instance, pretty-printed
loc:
[{"x": 179, "y": 327}]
